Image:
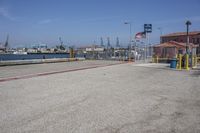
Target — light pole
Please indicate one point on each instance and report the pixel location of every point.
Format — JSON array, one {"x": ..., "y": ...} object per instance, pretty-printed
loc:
[
  {"x": 130, "y": 26},
  {"x": 188, "y": 23}
]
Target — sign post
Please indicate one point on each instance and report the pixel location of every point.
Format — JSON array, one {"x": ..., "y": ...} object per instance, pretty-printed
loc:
[{"x": 147, "y": 30}]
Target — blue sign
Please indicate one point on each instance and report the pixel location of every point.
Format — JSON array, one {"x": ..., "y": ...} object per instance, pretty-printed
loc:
[{"x": 147, "y": 28}]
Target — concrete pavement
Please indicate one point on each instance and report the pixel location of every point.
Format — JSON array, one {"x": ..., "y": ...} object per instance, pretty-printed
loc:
[
  {"x": 124, "y": 98},
  {"x": 35, "y": 69}
]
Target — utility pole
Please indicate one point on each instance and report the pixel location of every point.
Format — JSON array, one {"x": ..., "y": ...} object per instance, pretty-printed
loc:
[
  {"x": 147, "y": 30},
  {"x": 129, "y": 46},
  {"x": 188, "y": 23}
]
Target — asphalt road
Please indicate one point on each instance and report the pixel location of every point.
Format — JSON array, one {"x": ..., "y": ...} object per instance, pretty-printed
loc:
[{"x": 125, "y": 98}]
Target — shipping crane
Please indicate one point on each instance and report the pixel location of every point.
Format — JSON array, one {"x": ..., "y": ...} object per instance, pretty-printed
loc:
[
  {"x": 102, "y": 42},
  {"x": 117, "y": 42},
  {"x": 6, "y": 43},
  {"x": 61, "y": 42},
  {"x": 61, "y": 47}
]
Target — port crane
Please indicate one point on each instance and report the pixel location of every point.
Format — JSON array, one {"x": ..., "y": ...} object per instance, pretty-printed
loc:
[
  {"x": 61, "y": 44},
  {"x": 117, "y": 42},
  {"x": 6, "y": 43},
  {"x": 102, "y": 45},
  {"x": 71, "y": 48}
]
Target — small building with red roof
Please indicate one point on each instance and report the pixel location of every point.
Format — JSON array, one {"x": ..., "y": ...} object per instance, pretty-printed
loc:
[
  {"x": 181, "y": 37},
  {"x": 172, "y": 48}
]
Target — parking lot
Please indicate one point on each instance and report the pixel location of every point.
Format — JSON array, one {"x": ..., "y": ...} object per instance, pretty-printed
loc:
[{"x": 108, "y": 98}]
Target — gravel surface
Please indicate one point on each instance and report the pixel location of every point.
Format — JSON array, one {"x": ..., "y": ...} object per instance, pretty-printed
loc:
[
  {"x": 19, "y": 70},
  {"x": 125, "y": 98}
]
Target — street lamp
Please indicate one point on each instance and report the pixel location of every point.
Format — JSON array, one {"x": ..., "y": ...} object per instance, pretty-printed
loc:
[
  {"x": 188, "y": 23},
  {"x": 130, "y": 25}
]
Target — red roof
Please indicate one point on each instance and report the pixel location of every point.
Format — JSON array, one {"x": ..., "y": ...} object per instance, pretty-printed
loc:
[
  {"x": 174, "y": 44},
  {"x": 182, "y": 34}
]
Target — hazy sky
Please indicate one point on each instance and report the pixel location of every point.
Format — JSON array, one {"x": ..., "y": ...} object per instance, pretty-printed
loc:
[{"x": 81, "y": 22}]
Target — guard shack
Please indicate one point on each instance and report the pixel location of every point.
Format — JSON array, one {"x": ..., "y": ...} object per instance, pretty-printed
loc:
[
  {"x": 168, "y": 51},
  {"x": 171, "y": 49}
]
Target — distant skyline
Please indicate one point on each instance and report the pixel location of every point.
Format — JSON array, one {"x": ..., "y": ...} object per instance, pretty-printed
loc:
[{"x": 83, "y": 22}]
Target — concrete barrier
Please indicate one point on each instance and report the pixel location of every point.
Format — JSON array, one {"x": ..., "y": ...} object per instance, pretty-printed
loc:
[{"x": 38, "y": 61}]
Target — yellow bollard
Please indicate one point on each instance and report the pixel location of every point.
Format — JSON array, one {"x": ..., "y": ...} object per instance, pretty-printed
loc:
[
  {"x": 187, "y": 62},
  {"x": 177, "y": 64},
  {"x": 156, "y": 59},
  {"x": 180, "y": 62},
  {"x": 71, "y": 52},
  {"x": 195, "y": 61}
]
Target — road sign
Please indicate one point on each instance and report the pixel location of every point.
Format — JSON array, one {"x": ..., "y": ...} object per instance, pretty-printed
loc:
[{"x": 147, "y": 28}]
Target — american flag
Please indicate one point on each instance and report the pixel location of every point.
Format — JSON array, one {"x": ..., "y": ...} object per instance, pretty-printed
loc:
[{"x": 140, "y": 35}]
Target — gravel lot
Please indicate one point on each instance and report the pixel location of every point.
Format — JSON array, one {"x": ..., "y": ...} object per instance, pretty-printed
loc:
[
  {"x": 125, "y": 98},
  {"x": 19, "y": 70}
]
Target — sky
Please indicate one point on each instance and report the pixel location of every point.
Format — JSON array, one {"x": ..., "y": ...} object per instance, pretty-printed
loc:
[{"x": 84, "y": 22}]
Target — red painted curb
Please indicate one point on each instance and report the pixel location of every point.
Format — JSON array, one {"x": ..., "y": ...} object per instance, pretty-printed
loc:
[{"x": 55, "y": 72}]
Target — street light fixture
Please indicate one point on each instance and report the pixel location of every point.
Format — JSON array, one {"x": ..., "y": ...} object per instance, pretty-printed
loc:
[{"x": 130, "y": 26}]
